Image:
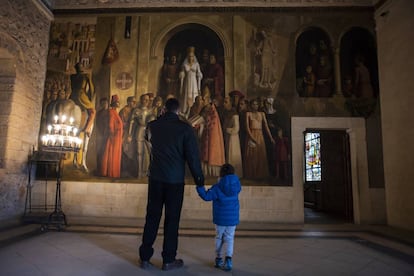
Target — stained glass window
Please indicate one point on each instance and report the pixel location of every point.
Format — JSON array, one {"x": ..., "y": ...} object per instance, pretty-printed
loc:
[{"x": 313, "y": 156}]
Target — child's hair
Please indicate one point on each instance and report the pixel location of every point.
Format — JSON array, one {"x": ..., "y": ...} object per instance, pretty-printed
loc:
[{"x": 226, "y": 169}]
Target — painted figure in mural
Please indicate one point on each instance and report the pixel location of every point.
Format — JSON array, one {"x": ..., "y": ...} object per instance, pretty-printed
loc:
[
  {"x": 242, "y": 109},
  {"x": 190, "y": 79},
  {"x": 323, "y": 86},
  {"x": 236, "y": 96},
  {"x": 50, "y": 107},
  {"x": 214, "y": 78},
  {"x": 205, "y": 61},
  {"x": 313, "y": 57},
  {"x": 256, "y": 165},
  {"x": 111, "y": 159},
  {"x": 309, "y": 82},
  {"x": 272, "y": 122},
  {"x": 324, "y": 52},
  {"x": 231, "y": 129},
  {"x": 83, "y": 94},
  {"x": 282, "y": 155},
  {"x": 128, "y": 163},
  {"x": 348, "y": 88},
  {"x": 151, "y": 97},
  {"x": 170, "y": 72},
  {"x": 139, "y": 120},
  {"x": 362, "y": 79},
  {"x": 196, "y": 120},
  {"x": 211, "y": 142},
  {"x": 196, "y": 107},
  {"x": 102, "y": 123},
  {"x": 157, "y": 107},
  {"x": 265, "y": 53}
]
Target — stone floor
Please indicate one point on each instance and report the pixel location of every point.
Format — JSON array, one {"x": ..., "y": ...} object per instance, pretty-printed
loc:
[{"x": 92, "y": 246}]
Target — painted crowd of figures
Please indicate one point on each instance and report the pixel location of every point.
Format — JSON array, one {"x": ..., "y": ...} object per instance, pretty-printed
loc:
[
  {"x": 236, "y": 130},
  {"x": 230, "y": 129}
]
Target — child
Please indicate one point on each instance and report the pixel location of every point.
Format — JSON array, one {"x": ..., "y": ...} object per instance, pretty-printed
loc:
[{"x": 225, "y": 197}]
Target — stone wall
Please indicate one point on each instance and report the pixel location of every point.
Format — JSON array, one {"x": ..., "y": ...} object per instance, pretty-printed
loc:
[
  {"x": 129, "y": 200},
  {"x": 24, "y": 35},
  {"x": 394, "y": 26}
]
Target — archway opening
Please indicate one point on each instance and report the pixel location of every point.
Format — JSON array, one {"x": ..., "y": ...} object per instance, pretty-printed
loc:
[{"x": 205, "y": 42}]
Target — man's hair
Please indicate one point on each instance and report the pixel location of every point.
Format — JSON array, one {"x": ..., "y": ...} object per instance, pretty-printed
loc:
[
  {"x": 226, "y": 169},
  {"x": 172, "y": 105}
]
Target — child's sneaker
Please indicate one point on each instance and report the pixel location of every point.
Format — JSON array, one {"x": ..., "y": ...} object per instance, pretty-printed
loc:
[
  {"x": 219, "y": 262},
  {"x": 228, "y": 264}
]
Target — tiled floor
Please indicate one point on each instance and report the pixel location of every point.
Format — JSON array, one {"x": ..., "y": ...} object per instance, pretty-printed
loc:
[{"x": 110, "y": 248}]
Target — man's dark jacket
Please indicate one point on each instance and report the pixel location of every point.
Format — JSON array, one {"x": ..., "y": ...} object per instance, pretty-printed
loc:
[{"x": 173, "y": 142}]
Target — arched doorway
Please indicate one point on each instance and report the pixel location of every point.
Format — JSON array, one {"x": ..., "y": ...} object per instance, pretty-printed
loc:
[{"x": 205, "y": 42}]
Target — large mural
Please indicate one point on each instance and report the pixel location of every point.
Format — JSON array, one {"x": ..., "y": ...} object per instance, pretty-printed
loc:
[{"x": 93, "y": 79}]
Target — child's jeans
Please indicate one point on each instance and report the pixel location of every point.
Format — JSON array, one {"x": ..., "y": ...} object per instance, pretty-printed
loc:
[{"x": 225, "y": 235}]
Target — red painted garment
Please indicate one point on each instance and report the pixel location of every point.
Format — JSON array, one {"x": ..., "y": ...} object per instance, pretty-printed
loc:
[{"x": 111, "y": 159}]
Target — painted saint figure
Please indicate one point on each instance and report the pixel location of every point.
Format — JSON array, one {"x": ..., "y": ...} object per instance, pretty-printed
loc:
[
  {"x": 111, "y": 165},
  {"x": 190, "y": 79},
  {"x": 214, "y": 78},
  {"x": 362, "y": 80},
  {"x": 83, "y": 93},
  {"x": 138, "y": 123},
  {"x": 170, "y": 72},
  {"x": 231, "y": 129},
  {"x": 256, "y": 165}
]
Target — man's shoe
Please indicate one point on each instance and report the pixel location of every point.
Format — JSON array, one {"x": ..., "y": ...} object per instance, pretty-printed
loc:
[
  {"x": 177, "y": 263},
  {"x": 145, "y": 264}
]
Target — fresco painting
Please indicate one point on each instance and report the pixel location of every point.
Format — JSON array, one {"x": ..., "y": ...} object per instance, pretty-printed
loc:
[{"x": 248, "y": 126}]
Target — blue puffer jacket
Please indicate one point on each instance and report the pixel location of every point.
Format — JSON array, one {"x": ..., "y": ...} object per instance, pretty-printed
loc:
[{"x": 225, "y": 197}]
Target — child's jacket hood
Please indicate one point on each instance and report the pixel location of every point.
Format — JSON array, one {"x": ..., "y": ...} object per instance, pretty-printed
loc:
[{"x": 230, "y": 185}]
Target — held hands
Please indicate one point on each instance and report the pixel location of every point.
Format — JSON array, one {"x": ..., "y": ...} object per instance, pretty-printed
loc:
[{"x": 200, "y": 184}]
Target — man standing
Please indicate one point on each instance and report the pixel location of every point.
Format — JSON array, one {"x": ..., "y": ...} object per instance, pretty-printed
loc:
[{"x": 173, "y": 143}]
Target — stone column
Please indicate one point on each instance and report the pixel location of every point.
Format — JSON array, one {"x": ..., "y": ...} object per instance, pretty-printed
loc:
[
  {"x": 239, "y": 53},
  {"x": 143, "y": 61},
  {"x": 337, "y": 71}
]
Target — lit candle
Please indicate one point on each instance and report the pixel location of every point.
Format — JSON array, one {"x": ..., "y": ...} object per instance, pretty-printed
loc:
[
  {"x": 78, "y": 142},
  {"x": 71, "y": 120},
  {"x": 52, "y": 140},
  {"x": 49, "y": 129},
  {"x": 75, "y": 131},
  {"x": 44, "y": 140},
  {"x": 56, "y": 119},
  {"x": 63, "y": 118}
]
